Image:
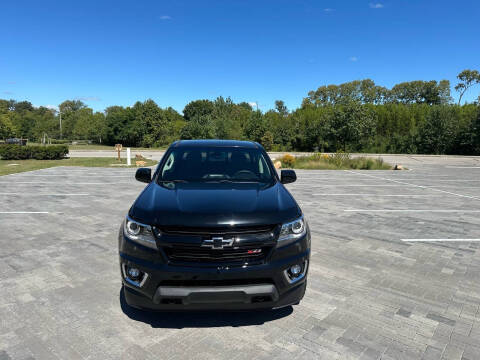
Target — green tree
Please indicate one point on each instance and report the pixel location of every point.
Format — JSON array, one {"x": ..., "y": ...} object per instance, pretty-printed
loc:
[
  {"x": 121, "y": 129},
  {"x": 362, "y": 91},
  {"x": 45, "y": 124},
  {"x": 467, "y": 78},
  {"x": 22, "y": 106},
  {"x": 245, "y": 106},
  {"x": 90, "y": 126},
  {"x": 229, "y": 118},
  {"x": 282, "y": 129},
  {"x": 421, "y": 92},
  {"x": 350, "y": 124},
  {"x": 82, "y": 125},
  {"x": 437, "y": 134},
  {"x": 475, "y": 134},
  {"x": 7, "y": 128},
  {"x": 281, "y": 107},
  {"x": 255, "y": 127},
  {"x": 70, "y": 112},
  {"x": 175, "y": 124},
  {"x": 371, "y": 93},
  {"x": 197, "y": 108},
  {"x": 151, "y": 123},
  {"x": 4, "y": 106},
  {"x": 71, "y": 106},
  {"x": 200, "y": 127},
  {"x": 267, "y": 140}
]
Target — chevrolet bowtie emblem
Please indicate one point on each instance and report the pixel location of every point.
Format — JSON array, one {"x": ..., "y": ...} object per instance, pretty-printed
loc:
[{"x": 217, "y": 243}]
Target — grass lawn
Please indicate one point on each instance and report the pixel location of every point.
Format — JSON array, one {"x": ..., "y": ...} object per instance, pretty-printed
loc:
[
  {"x": 7, "y": 167},
  {"x": 337, "y": 161}
]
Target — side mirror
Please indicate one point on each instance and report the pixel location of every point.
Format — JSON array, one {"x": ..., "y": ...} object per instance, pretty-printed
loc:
[
  {"x": 287, "y": 176},
  {"x": 144, "y": 175}
]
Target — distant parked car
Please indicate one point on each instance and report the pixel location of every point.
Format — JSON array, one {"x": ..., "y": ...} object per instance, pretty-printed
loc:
[{"x": 16, "y": 141}]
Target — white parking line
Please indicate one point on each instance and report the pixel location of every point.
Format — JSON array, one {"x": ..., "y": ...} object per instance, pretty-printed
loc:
[
  {"x": 67, "y": 171},
  {"x": 378, "y": 195},
  {"x": 415, "y": 185},
  {"x": 359, "y": 185},
  {"x": 36, "y": 194},
  {"x": 440, "y": 240},
  {"x": 440, "y": 180},
  {"x": 463, "y": 167},
  {"x": 66, "y": 183},
  {"x": 456, "y": 186},
  {"x": 24, "y": 212},
  {"x": 76, "y": 176},
  {"x": 414, "y": 210}
]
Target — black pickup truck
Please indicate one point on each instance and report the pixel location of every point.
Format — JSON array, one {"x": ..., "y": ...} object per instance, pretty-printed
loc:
[{"x": 214, "y": 229}]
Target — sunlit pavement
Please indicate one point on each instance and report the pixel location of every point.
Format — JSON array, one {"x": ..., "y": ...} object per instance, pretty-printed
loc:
[{"x": 394, "y": 272}]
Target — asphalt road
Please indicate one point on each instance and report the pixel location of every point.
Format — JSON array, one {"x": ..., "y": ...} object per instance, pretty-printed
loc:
[{"x": 394, "y": 271}]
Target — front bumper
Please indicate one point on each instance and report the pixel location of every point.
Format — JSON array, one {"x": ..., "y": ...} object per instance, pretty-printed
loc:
[
  {"x": 214, "y": 302},
  {"x": 170, "y": 287}
]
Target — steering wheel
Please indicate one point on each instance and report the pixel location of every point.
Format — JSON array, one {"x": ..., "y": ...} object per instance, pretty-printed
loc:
[
  {"x": 215, "y": 176},
  {"x": 245, "y": 174}
]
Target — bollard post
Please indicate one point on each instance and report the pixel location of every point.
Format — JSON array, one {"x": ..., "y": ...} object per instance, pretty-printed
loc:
[{"x": 129, "y": 160}]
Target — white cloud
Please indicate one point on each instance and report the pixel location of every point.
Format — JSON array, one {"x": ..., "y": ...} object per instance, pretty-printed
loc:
[
  {"x": 376, "y": 5},
  {"x": 328, "y": 10},
  {"x": 165, "y": 17},
  {"x": 252, "y": 104},
  {"x": 353, "y": 58},
  {"x": 88, "y": 98},
  {"x": 52, "y": 107}
]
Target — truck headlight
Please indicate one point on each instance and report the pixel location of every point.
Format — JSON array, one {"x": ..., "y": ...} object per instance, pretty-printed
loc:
[
  {"x": 139, "y": 233},
  {"x": 292, "y": 231}
]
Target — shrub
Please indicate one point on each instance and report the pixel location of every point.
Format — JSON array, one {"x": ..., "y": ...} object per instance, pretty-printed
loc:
[
  {"x": 339, "y": 161},
  {"x": 14, "y": 152},
  {"x": 60, "y": 141},
  {"x": 17, "y": 152},
  {"x": 288, "y": 160}
]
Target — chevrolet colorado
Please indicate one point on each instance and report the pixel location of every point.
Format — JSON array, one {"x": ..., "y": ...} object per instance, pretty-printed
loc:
[{"x": 215, "y": 228}]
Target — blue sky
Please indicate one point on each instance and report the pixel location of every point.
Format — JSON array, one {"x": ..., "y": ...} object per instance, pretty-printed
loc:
[{"x": 117, "y": 52}]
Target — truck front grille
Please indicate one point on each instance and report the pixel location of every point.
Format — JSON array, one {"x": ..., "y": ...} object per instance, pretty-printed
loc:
[
  {"x": 251, "y": 245},
  {"x": 233, "y": 255}
]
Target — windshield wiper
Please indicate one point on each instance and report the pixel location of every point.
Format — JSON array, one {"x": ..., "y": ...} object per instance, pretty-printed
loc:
[
  {"x": 174, "y": 181},
  {"x": 234, "y": 181},
  {"x": 218, "y": 180}
]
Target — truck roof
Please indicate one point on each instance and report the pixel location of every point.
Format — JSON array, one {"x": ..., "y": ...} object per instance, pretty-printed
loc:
[{"x": 216, "y": 142}]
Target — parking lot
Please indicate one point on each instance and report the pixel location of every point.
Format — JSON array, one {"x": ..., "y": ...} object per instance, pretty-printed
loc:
[{"x": 394, "y": 272}]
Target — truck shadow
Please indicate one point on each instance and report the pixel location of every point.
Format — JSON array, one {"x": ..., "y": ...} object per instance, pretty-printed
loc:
[{"x": 199, "y": 319}]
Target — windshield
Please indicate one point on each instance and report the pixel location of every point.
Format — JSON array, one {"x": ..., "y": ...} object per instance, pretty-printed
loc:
[{"x": 208, "y": 164}]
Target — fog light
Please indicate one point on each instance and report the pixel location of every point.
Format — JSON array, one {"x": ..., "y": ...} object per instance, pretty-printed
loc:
[
  {"x": 295, "y": 270},
  {"x": 134, "y": 276},
  {"x": 133, "y": 273}
]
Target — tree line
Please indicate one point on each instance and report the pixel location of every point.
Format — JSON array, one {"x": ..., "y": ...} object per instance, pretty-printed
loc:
[{"x": 360, "y": 116}]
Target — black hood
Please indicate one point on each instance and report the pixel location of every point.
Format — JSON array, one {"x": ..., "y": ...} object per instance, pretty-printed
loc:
[{"x": 213, "y": 204}]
